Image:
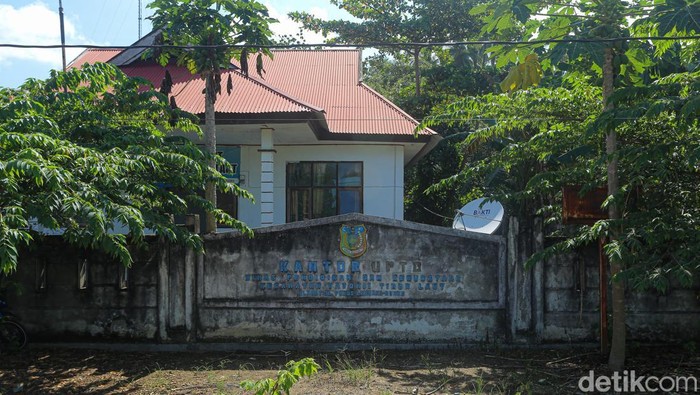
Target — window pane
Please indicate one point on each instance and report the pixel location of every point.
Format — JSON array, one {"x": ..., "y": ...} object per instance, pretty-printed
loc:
[
  {"x": 350, "y": 201},
  {"x": 350, "y": 174},
  {"x": 324, "y": 202},
  {"x": 325, "y": 174},
  {"x": 323, "y": 189},
  {"x": 227, "y": 202},
  {"x": 299, "y": 174},
  {"x": 299, "y": 205}
]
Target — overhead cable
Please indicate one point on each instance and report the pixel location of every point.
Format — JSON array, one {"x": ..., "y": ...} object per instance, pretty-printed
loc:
[{"x": 370, "y": 44}]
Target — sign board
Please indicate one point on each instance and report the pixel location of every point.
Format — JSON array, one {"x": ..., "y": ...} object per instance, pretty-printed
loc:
[
  {"x": 233, "y": 156},
  {"x": 584, "y": 208},
  {"x": 310, "y": 264}
]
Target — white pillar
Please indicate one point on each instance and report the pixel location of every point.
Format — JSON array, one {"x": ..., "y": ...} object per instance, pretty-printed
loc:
[{"x": 267, "y": 163}]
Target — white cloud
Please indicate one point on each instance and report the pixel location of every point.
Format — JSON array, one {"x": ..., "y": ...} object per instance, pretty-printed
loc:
[
  {"x": 319, "y": 12},
  {"x": 288, "y": 27},
  {"x": 36, "y": 24}
]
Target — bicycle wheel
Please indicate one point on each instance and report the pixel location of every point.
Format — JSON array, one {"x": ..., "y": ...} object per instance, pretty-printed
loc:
[{"x": 12, "y": 336}]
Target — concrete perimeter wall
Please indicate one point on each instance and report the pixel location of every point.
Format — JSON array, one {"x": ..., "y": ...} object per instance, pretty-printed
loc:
[
  {"x": 413, "y": 285},
  {"x": 62, "y": 292}
]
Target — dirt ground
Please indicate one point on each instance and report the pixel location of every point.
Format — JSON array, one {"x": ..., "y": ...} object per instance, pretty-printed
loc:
[{"x": 485, "y": 370}]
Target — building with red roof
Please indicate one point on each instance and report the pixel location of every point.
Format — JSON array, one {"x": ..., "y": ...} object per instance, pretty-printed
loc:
[{"x": 308, "y": 140}]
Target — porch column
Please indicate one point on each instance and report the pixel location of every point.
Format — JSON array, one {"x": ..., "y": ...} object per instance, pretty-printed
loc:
[{"x": 267, "y": 163}]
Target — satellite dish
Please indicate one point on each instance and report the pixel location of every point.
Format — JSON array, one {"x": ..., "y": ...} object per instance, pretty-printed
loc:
[{"x": 475, "y": 217}]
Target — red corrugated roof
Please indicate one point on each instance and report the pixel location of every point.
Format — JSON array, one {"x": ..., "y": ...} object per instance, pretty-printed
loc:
[
  {"x": 248, "y": 95},
  {"x": 94, "y": 55},
  {"x": 294, "y": 81},
  {"x": 331, "y": 80}
]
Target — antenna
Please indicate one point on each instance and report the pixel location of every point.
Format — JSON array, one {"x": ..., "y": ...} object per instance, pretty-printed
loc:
[{"x": 140, "y": 19}]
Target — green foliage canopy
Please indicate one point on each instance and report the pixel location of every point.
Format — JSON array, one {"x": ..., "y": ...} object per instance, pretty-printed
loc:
[
  {"x": 395, "y": 21},
  {"x": 212, "y": 23},
  {"x": 516, "y": 143},
  {"x": 588, "y": 21},
  {"x": 542, "y": 139},
  {"x": 447, "y": 74},
  {"x": 209, "y": 30},
  {"x": 88, "y": 149}
]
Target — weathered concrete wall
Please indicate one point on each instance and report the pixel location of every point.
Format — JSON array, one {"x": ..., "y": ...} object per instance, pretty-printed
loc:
[
  {"x": 55, "y": 307},
  {"x": 571, "y": 297},
  {"x": 414, "y": 283},
  {"x": 558, "y": 300},
  {"x": 572, "y": 304}
]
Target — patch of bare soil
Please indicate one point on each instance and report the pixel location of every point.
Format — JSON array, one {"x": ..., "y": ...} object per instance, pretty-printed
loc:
[{"x": 485, "y": 370}]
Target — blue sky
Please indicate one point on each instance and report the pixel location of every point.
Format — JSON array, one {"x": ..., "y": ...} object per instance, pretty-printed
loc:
[{"x": 99, "y": 22}]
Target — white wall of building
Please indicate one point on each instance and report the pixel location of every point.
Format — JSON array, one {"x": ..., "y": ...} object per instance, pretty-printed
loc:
[{"x": 383, "y": 177}]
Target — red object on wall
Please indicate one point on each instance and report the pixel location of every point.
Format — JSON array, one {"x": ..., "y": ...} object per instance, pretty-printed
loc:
[{"x": 584, "y": 209}]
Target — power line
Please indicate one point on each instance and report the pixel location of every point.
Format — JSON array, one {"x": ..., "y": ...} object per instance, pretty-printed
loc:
[
  {"x": 370, "y": 44},
  {"x": 465, "y": 120}
]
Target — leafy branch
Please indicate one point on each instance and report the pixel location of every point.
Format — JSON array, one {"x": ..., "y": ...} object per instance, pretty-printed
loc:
[{"x": 286, "y": 378}]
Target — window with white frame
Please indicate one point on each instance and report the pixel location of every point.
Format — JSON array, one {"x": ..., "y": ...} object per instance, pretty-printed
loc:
[{"x": 323, "y": 189}]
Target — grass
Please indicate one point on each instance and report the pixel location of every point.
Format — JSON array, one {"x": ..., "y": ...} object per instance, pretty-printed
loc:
[
  {"x": 519, "y": 371},
  {"x": 427, "y": 361},
  {"x": 157, "y": 381},
  {"x": 358, "y": 371}
]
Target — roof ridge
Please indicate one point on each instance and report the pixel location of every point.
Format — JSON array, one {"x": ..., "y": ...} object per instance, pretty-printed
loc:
[
  {"x": 394, "y": 106},
  {"x": 86, "y": 50},
  {"x": 316, "y": 50},
  {"x": 80, "y": 55}
]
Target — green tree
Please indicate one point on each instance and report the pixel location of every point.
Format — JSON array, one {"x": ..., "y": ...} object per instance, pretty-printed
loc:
[
  {"x": 521, "y": 147},
  {"x": 452, "y": 73},
  {"x": 405, "y": 21},
  {"x": 558, "y": 143},
  {"x": 600, "y": 27},
  {"x": 212, "y": 27},
  {"x": 87, "y": 150}
]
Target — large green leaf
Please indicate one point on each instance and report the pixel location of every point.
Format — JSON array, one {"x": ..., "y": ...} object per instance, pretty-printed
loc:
[
  {"x": 691, "y": 110},
  {"x": 521, "y": 10},
  {"x": 585, "y": 49},
  {"x": 639, "y": 59},
  {"x": 677, "y": 16}
]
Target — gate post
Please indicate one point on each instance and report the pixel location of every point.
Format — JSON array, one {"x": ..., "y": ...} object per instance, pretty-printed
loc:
[
  {"x": 190, "y": 282},
  {"x": 163, "y": 290},
  {"x": 538, "y": 280},
  {"x": 525, "y": 285}
]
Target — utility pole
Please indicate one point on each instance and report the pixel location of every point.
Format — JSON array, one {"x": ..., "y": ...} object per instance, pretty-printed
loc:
[
  {"x": 140, "y": 19},
  {"x": 63, "y": 34}
]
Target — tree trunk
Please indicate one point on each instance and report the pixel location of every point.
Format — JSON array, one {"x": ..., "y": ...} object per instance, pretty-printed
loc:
[
  {"x": 416, "y": 67},
  {"x": 210, "y": 145},
  {"x": 616, "y": 360}
]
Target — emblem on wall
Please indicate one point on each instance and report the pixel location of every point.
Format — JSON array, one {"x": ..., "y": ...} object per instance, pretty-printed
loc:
[{"x": 353, "y": 240}]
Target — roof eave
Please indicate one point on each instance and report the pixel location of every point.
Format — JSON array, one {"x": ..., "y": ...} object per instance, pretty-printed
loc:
[
  {"x": 433, "y": 141},
  {"x": 130, "y": 55}
]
